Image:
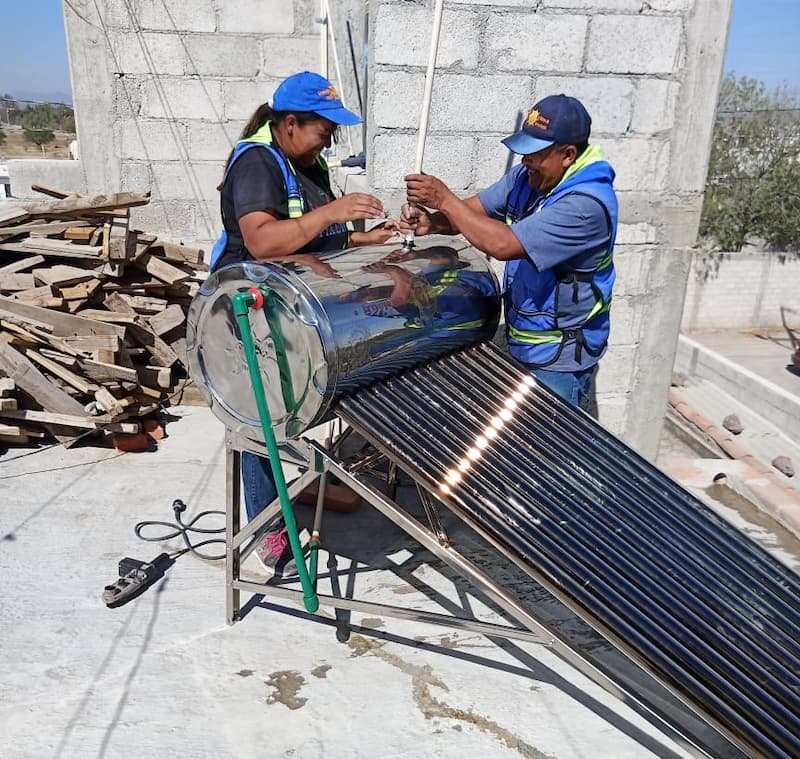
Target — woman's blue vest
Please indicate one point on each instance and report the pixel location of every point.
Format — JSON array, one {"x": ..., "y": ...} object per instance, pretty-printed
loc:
[{"x": 558, "y": 318}]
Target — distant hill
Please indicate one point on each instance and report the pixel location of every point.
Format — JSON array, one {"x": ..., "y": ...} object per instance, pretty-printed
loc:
[{"x": 40, "y": 97}]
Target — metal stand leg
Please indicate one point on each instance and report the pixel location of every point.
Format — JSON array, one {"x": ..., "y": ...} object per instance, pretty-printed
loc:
[{"x": 233, "y": 494}]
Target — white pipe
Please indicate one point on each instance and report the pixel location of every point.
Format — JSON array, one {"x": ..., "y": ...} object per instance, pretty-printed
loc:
[
  {"x": 323, "y": 39},
  {"x": 426, "y": 100},
  {"x": 338, "y": 71},
  {"x": 408, "y": 240}
]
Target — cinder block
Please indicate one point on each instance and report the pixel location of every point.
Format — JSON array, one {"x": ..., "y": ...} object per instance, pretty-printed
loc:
[
  {"x": 635, "y": 234},
  {"x": 283, "y": 56},
  {"x": 491, "y": 160},
  {"x": 492, "y": 2},
  {"x": 654, "y": 106},
  {"x": 175, "y": 221},
  {"x": 653, "y": 44},
  {"x": 595, "y": 6},
  {"x": 265, "y": 17},
  {"x": 66, "y": 175},
  {"x": 221, "y": 55},
  {"x": 641, "y": 164},
  {"x": 147, "y": 53},
  {"x": 449, "y": 158},
  {"x": 626, "y": 318},
  {"x": 609, "y": 100},
  {"x": 478, "y": 104},
  {"x": 183, "y": 17},
  {"x": 149, "y": 139},
  {"x": 241, "y": 99},
  {"x": 536, "y": 41},
  {"x": 403, "y": 37},
  {"x": 396, "y": 101},
  {"x": 135, "y": 176},
  {"x": 211, "y": 142},
  {"x": 164, "y": 98},
  {"x": 182, "y": 180}
]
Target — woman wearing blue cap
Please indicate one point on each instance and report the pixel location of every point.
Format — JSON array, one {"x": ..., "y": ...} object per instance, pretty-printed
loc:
[{"x": 276, "y": 203}]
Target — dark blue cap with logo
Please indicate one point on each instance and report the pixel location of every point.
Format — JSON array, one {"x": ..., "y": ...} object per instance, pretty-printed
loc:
[
  {"x": 308, "y": 91},
  {"x": 555, "y": 119}
]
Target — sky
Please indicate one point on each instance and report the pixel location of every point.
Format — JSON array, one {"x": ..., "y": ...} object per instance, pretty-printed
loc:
[{"x": 763, "y": 43}]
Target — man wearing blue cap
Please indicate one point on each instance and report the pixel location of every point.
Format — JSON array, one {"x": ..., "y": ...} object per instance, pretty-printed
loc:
[{"x": 553, "y": 219}]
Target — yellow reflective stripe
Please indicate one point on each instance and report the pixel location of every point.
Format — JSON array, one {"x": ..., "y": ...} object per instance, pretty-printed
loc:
[
  {"x": 295, "y": 206},
  {"x": 536, "y": 338}
]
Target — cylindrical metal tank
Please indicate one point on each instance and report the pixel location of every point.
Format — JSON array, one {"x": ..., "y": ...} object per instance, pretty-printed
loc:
[{"x": 334, "y": 323}]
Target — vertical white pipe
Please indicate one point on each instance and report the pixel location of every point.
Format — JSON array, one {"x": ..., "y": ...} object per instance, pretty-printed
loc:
[
  {"x": 338, "y": 71},
  {"x": 426, "y": 100},
  {"x": 323, "y": 38}
]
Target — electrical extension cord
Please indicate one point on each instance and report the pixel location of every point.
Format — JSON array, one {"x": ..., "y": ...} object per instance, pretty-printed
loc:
[{"x": 135, "y": 577}]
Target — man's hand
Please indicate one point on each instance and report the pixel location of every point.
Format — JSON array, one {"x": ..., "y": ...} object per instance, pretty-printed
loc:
[
  {"x": 426, "y": 190},
  {"x": 414, "y": 219}
]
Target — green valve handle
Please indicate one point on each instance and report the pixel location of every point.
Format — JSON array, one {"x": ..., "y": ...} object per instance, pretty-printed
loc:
[{"x": 242, "y": 303}]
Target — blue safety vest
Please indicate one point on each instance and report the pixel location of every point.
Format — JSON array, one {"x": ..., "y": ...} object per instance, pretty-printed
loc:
[
  {"x": 548, "y": 310},
  {"x": 295, "y": 200}
]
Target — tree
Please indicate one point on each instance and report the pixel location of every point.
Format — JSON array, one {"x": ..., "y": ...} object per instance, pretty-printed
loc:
[
  {"x": 753, "y": 186},
  {"x": 38, "y": 137}
]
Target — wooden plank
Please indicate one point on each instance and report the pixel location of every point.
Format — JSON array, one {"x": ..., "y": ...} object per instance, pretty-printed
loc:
[
  {"x": 179, "y": 253},
  {"x": 10, "y": 214},
  {"x": 87, "y": 344},
  {"x": 77, "y": 232},
  {"x": 100, "y": 371},
  {"x": 41, "y": 227},
  {"x": 155, "y": 376},
  {"x": 10, "y": 283},
  {"x": 108, "y": 316},
  {"x": 28, "y": 378},
  {"x": 160, "y": 269},
  {"x": 8, "y": 404},
  {"x": 81, "y": 291},
  {"x": 161, "y": 353},
  {"x": 172, "y": 316},
  {"x": 44, "y": 247},
  {"x": 61, "y": 324},
  {"x": 80, "y": 421},
  {"x": 108, "y": 402},
  {"x": 75, "y": 205},
  {"x": 75, "y": 380},
  {"x": 21, "y": 265},
  {"x": 53, "y": 192},
  {"x": 121, "y": 245}
]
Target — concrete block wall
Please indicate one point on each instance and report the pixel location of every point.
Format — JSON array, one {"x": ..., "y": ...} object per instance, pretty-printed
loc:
[
  {"x": 163, "y": 90},
  {"x": 648, "y": 72},
  {"x": 744, "y": 290}
]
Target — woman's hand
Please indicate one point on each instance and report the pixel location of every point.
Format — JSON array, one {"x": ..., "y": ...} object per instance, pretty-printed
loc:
[
  {"x": 378, "y": 235},
  {"x": 356, "y": 205}
]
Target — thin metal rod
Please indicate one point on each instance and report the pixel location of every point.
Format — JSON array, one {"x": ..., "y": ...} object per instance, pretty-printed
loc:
[{"x": 338, "y": 70}]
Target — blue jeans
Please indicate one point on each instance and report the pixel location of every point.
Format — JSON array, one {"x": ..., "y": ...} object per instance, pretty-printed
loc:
[
  {"x": 259, "y": 484},
  {"x": 576, "y": 388}
]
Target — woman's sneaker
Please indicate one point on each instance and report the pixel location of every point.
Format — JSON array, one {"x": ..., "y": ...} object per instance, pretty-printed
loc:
[{"x": 275, "y": 553}]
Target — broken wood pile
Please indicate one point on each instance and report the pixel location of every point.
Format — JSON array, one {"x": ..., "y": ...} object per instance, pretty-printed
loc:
[{"x": 92, "y": 316}]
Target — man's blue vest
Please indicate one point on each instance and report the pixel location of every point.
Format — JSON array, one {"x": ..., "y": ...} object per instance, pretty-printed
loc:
[{"x": 549, "y": 310}]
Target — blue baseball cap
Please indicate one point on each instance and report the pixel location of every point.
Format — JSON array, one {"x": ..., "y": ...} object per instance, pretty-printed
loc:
[
  {"x": 555, "y": 119},
  {"x": 308, "y": 91}
]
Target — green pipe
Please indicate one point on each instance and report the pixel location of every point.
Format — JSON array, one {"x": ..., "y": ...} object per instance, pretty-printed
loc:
[{"x": 242, "y": 303}]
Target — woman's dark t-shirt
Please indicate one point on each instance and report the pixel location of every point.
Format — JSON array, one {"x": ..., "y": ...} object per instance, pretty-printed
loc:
[{"x": 255, "y": 183}]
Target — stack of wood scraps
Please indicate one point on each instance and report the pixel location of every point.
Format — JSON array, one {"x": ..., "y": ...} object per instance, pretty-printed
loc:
[{"x": 92, "y": 317}]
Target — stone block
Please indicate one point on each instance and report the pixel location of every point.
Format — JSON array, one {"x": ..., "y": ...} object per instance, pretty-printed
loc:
[
  {"x": 536, "y": 41},
  {"x": 221, "y": 55},
  {"x": 486, "y": 103},
  {"x": 449, "y": 158},
  {"x": 653, "y": 44},
  {"x": 175, "y": 221},
  {"x": 654, "y": 106},
  {"x": 149, "y": 139},
  {"x": 265, "y": 17},
  {"x": 183, "y": 17},
  {"x": 641, "y": 164},
  {"x": 242, "y": 98},
  {"x": 164, "y": 98},
  {"x": 609, "y": 100},
  {"x": 147, "y": 53},
  {"x": 635, "y": 234},
  {"x": 135, "y": 176},
  {"x": 491, "y": 160},
  {"x": 283, "y": 56},
  {"x": 403, "y": 37},
  {"x": 396, "y": 101},
  {"x": 182, "y": 180},
  {"x": 212, "y": 142}
]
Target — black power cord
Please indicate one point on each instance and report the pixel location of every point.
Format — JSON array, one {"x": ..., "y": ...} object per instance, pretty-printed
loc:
[{"x": 183, "y": 529}]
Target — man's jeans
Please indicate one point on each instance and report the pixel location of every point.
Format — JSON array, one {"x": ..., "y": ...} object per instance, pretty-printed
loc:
[
  {"x": 576, "y": 388},
  {"x": 259, "y": 484}
]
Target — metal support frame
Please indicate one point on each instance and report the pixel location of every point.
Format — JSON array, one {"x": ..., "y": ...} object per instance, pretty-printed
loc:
[{"x": 321, "y": 460}]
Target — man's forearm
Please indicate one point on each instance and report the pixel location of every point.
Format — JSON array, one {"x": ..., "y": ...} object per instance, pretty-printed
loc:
[{"x": 489, "y": 235}]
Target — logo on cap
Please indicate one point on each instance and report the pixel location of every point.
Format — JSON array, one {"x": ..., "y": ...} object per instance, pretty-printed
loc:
[
  {"x": 329, "y": 93},
  {"x": 537, "y": 121}
]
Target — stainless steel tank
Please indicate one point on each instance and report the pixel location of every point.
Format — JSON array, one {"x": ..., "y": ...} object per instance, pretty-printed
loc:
[{"x": 335, "y": 323}]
